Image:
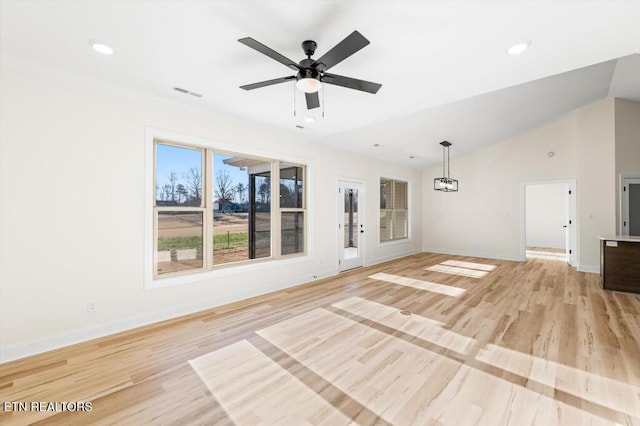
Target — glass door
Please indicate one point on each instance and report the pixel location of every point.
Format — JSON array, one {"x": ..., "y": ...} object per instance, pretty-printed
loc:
[{"x": 350, "y": 225}]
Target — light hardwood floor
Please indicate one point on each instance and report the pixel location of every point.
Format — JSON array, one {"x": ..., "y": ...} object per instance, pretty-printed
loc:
[{"x": 425, "y": 340}]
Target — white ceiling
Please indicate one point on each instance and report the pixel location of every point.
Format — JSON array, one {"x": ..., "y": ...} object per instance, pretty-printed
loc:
[{"x": 442, "y": 64}]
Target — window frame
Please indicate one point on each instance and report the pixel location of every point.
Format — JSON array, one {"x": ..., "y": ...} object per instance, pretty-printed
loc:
[
  {"x": 209, "y": 148},
  {"x": 202, "y": 209},
  {"x": 301, "y": 209},
  {"x": 393, "y": 209}
]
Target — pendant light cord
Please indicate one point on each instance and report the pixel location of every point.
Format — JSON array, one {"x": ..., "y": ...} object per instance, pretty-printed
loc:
[{"x": 443, "y": 169}]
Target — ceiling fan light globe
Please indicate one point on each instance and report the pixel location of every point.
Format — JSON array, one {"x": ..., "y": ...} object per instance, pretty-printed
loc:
[{"x": 308, "y": 85}]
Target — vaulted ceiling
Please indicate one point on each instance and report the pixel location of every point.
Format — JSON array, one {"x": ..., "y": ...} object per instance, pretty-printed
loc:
[{"x": 443, "y": 64}]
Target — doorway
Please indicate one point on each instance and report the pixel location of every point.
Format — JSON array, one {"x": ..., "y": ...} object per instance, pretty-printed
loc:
[
  {"x": 630, "y": 211},
  {"x": 549, "y": 221},
  {"x": 350, "y": 225}
]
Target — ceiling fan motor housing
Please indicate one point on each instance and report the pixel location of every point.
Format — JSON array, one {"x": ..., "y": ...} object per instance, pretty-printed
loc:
[
  {"x": 306, "y": 71},
  {"x": 309, "y": 47}
]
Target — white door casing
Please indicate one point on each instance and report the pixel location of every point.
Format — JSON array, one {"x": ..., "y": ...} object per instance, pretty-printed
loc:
[{"x": 350, "y": 224}]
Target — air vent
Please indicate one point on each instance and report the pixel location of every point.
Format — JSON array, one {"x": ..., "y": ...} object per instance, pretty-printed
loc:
[{"x": 187, "y": 92}]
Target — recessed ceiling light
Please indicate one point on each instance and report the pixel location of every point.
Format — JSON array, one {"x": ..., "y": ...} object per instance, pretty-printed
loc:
[
  {"x": 101, "y": 47},
  {"x": 519, "y": 47},
  {"x": 309, "y": 119}
]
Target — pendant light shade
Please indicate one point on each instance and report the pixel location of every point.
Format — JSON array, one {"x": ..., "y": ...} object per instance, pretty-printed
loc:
[{"x": 445, "y": 183}]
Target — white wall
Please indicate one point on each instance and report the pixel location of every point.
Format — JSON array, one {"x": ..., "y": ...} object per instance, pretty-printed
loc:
[
  {"x": 546, "y": 214},
  {"x": 72, "y": 215},
  {"x": 483, "y": 218},
  {"x": 595, "y": 148}
]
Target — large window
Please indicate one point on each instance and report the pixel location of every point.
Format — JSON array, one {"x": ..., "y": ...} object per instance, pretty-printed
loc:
[
  {"x": 215, "y": 208},
  {"x": 291, "y": 208},
  {"x": 394, "y": 215}
]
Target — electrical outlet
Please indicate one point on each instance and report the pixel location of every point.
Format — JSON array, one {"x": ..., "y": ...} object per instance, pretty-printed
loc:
[{"x": 91, "y": 306}]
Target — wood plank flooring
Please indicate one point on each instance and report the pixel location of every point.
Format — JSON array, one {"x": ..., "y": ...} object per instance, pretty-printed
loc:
[{"x": 426, "y": 340}]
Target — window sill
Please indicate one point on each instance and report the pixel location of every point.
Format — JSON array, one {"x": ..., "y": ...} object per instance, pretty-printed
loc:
[
  {"x": 223, "y": 271},
  {"x": 394, "y": 242}
]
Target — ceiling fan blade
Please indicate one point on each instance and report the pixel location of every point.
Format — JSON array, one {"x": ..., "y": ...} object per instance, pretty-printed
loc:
[
  {"x": 254, "y": 44},
  {"x": 313, "y": 100},
  {"x": 351, "y": 83},
  {"x": 267, "y": 82},
  {"x": 347, "y": 47}
]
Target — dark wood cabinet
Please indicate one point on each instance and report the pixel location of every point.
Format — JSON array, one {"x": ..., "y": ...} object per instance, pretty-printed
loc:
[{"x": 620, "y": 264}]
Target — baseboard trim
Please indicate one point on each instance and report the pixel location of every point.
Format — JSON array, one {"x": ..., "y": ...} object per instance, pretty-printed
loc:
[
  {"x": 589, "y": 268},
  {"x": 593, "y": 269},
  {"x": 396, "y": 256},
  {"x": 546, "y": 245},
  {"x": 497, "y": 256},
  {"x": 37, "y": 346}
]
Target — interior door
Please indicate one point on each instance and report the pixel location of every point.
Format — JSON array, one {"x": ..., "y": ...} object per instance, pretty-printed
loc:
[
  {"x": 541, "y": 229},
  {"x": 571, "y": 234},
  {"x": 350, "y": 225},
  {"x": 631, "y": 207}
]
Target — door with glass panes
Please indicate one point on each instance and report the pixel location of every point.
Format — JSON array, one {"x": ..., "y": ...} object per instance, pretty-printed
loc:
[{"x": 351, "y": 230}]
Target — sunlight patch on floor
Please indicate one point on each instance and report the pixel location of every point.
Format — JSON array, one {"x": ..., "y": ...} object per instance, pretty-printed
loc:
[
  {"x": 396, "y": 379},
  {"x": 470, "y": 265},
  {"x": 379, "y": 371},
  {"x": 456, "y": 270},
  {"x": 419, "y": 284},
  {"x": 404, "y": 368},
  {"x": 601, "y": 390},
  {"x": 546, "y": 255},
  {"x": 415, "y": 325},
  {"x": 240, "y": 375}
]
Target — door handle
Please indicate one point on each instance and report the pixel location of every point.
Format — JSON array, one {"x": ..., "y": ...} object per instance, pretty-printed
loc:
[
  {"x": 362, "y": 231},
  {"x": 564, "y": 226}
]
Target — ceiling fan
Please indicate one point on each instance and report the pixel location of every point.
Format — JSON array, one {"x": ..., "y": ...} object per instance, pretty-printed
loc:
[{"x": 311, "y": 73}]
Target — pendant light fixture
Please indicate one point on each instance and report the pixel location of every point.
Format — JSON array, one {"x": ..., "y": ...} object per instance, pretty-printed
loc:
[{"x": 445, "y": 183}]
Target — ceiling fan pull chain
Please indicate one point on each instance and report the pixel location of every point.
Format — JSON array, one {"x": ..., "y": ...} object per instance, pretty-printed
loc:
[
  {"x": 323, "y": 95},
  {"x": 294, "y": 99}
]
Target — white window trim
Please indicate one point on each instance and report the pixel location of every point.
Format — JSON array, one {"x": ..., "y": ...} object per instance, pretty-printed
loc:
[
  {"x": 409, "y": 210},
  {"x": 150, "y": 281}
]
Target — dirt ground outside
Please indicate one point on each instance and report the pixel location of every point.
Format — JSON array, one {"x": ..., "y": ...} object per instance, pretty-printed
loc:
[
  {"x": 189, "y": 224},
  {"x": 220, "y": 257}
]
